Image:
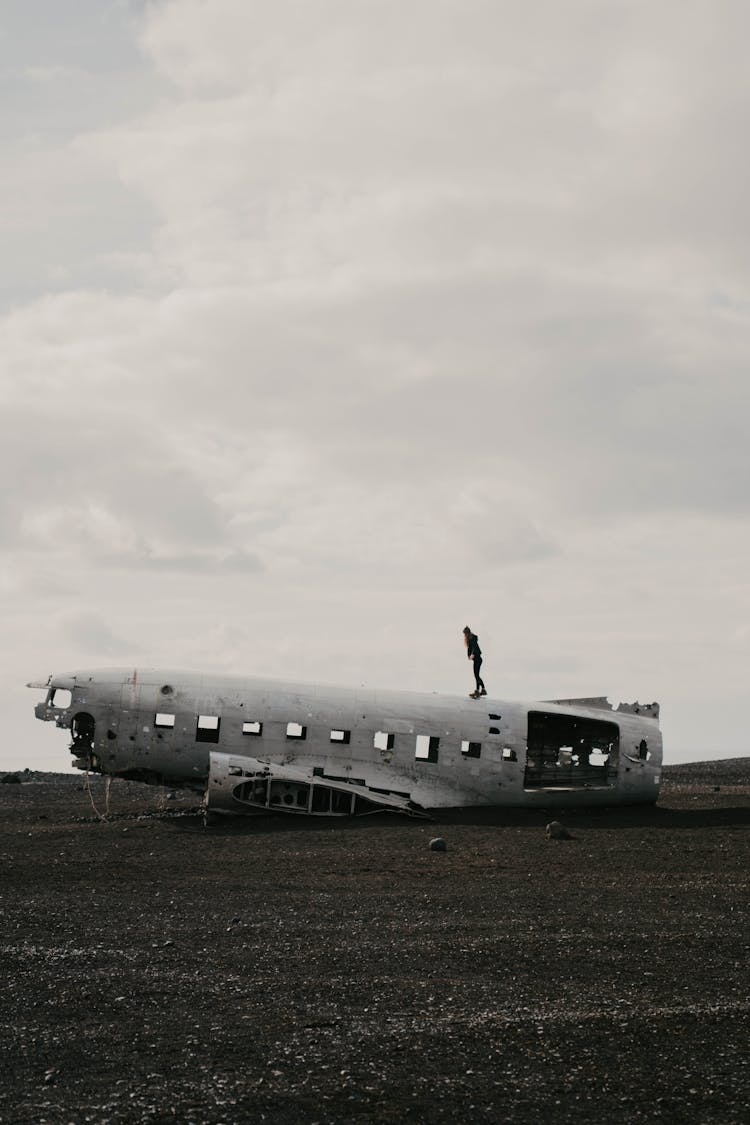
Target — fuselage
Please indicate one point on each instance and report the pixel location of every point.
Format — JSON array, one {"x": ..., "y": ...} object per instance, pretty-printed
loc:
[{"x": 257, "y": 744}]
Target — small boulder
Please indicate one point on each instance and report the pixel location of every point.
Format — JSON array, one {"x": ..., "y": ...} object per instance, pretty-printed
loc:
[
  {"x": 10, "y": 779},
  {"x": 557, "y": 831},
  {"x": 438, "y": 845}
]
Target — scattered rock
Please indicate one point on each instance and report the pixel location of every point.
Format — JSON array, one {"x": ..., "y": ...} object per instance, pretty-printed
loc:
[
  {"x": 557, "y": 831},
  {"x": 438, "y": 845},
  {"x": 10, "y": 779}
]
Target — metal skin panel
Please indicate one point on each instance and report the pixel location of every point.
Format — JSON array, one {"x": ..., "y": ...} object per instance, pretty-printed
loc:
[{"x": 126, "y": 742}]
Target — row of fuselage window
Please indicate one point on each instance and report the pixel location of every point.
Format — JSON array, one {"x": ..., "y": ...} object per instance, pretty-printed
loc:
[{"x": 426, "y": 747}]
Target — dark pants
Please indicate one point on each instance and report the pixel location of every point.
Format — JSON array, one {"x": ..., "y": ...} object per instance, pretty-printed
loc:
[{"x": 477, "y": 665}]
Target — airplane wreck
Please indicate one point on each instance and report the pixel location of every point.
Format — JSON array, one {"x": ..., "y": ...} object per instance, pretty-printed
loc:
[{"x": 258, "y": 746}]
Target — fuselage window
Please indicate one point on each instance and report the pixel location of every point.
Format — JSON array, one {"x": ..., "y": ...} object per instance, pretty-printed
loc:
[
  {"x": 382, "y": 740},
  {"x": 471, "y": 749},
  {"x": 296, "y": 730},
  {"x": 163, "y": 720},
  {"x": 427, "y": 748},
  {"x": 252, "y": 728},
  {"x": 207, "y": 729},
  {"x": 341, "y": 736}
]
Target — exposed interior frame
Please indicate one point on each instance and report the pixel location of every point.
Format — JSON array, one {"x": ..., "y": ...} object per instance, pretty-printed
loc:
[{"x": 570, "y": 751}]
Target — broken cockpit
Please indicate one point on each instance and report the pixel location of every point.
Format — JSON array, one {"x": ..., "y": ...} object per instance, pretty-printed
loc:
[{"x": 57, "y": 707}]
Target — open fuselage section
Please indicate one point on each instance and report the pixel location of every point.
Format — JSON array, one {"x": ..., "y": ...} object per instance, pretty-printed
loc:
[{"x": 256, "y": 745}]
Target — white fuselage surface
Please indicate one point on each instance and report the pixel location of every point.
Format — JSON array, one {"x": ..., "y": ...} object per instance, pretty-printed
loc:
[{"x": 256, "y": 745}]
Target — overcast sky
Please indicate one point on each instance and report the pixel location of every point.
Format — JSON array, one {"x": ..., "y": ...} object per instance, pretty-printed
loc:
[{"x": 328, "y": 327}]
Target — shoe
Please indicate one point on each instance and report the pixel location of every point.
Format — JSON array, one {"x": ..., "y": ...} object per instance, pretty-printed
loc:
[
  {"x": 483, "y": 692},
  {"x": 473, "y": 695}
]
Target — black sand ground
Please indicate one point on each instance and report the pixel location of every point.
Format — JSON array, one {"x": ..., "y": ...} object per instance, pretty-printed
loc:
[{"x": 157, "y": 971}]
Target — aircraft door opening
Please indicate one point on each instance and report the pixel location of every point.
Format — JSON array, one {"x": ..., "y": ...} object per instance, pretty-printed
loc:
[
  {"x": 567, "y": 751},
  {"x": 83, "y": 729}
]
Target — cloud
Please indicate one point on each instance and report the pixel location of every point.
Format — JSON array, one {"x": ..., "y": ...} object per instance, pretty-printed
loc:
[
  {"x": 346, "y": 319},
  {"x": 87, "y": 632},
  {"x": 405, "y": 230}
]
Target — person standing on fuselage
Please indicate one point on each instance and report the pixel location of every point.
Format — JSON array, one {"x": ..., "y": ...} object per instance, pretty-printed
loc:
[{"x": 474, "y": 653}]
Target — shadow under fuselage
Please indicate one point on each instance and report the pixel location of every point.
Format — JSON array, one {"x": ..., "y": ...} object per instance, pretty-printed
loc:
[{"x": 632, "y": 816}]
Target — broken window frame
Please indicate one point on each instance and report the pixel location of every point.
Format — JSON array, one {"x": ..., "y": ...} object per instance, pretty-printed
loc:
[
  {"x": 341, "y": 737},
  {"x": 252, "y": 728},
  {"x": 471, "y": 749},
  {"x": 164, "y": 720},
  {"x": 205, "y": 732},
  {"x": 426, "y": 748},
  {"x": 296, "y": 732}
]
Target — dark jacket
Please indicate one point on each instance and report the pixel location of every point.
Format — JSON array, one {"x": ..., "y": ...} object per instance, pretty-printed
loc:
[{"x": 474, "y": 649}]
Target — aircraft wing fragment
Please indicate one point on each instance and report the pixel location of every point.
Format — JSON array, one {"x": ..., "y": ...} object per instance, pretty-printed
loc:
[{"x": 240, "y": 784}]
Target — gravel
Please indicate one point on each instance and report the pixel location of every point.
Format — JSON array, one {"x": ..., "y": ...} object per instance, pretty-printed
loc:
[{"x": 155, "y": 970}]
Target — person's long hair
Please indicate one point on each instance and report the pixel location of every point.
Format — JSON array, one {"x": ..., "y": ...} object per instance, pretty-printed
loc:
[{"x": 467, "y": 636}]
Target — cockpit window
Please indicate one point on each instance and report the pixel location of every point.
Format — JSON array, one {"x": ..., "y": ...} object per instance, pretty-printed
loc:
[{"x": 60, "y": 697}]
